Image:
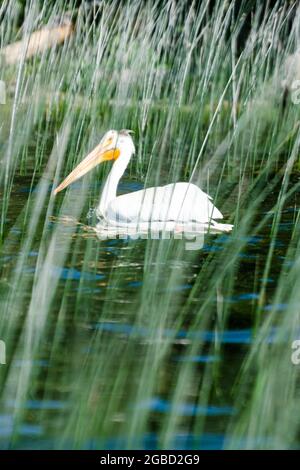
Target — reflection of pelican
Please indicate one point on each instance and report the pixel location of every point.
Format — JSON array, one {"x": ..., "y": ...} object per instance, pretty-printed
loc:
[{"x": 174, "y": 206}]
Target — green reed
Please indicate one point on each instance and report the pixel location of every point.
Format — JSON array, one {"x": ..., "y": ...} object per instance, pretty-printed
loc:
[{"x": 205, "y": 106}]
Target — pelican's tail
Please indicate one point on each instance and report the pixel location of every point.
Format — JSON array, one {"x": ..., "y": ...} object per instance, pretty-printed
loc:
[{"x": 215, "y": 227}]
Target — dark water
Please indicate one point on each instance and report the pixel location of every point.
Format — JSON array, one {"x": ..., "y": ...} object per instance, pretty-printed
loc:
[{"x": 93, "y": 324}]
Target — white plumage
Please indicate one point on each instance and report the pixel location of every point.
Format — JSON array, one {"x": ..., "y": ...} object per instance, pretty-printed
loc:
[{"x": 179, "y": 202}]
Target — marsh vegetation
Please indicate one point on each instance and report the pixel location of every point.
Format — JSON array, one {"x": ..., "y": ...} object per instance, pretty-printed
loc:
[{"x": 141, "y": 343}]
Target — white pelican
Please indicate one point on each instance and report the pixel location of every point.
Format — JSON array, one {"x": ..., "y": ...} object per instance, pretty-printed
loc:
[{"x": 175, "y": 206}]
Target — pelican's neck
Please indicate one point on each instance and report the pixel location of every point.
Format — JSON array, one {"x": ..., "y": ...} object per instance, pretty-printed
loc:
[{"x": 109, "y": 192}]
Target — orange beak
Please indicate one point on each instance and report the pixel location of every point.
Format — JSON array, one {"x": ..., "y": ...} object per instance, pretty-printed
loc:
[{"x": 106, "y": 150}]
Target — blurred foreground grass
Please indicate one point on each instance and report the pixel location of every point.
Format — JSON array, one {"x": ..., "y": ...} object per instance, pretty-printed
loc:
[{"x": 141, "y": 343}]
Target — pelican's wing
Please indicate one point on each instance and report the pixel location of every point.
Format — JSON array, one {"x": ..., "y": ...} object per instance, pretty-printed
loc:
[{"x": 181, "y": 202}]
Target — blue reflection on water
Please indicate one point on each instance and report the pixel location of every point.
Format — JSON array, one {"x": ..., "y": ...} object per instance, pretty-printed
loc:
[
  {"x": 39, "y": 404},
  {"x": 276, "y": 307},
  {"x": 23, "y": 362},
  {"x": 68, "y": 273},
  {"x": 135, "y": 284},
  {"x": 227, "y": 336},
  {"x": 197, "y": 358},
  {"x": 149, "y": 441},
  {"x": 26, "y": 429},
  {"x": 187, "y": 409},
  {"x": 241, "y": 297}
]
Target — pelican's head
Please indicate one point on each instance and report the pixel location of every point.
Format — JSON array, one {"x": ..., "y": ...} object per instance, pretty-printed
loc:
[{"x": 114, "y": 145}]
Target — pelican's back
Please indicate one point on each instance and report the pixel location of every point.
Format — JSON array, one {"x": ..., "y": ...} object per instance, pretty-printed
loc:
[{"x": 181, "y": 202}]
